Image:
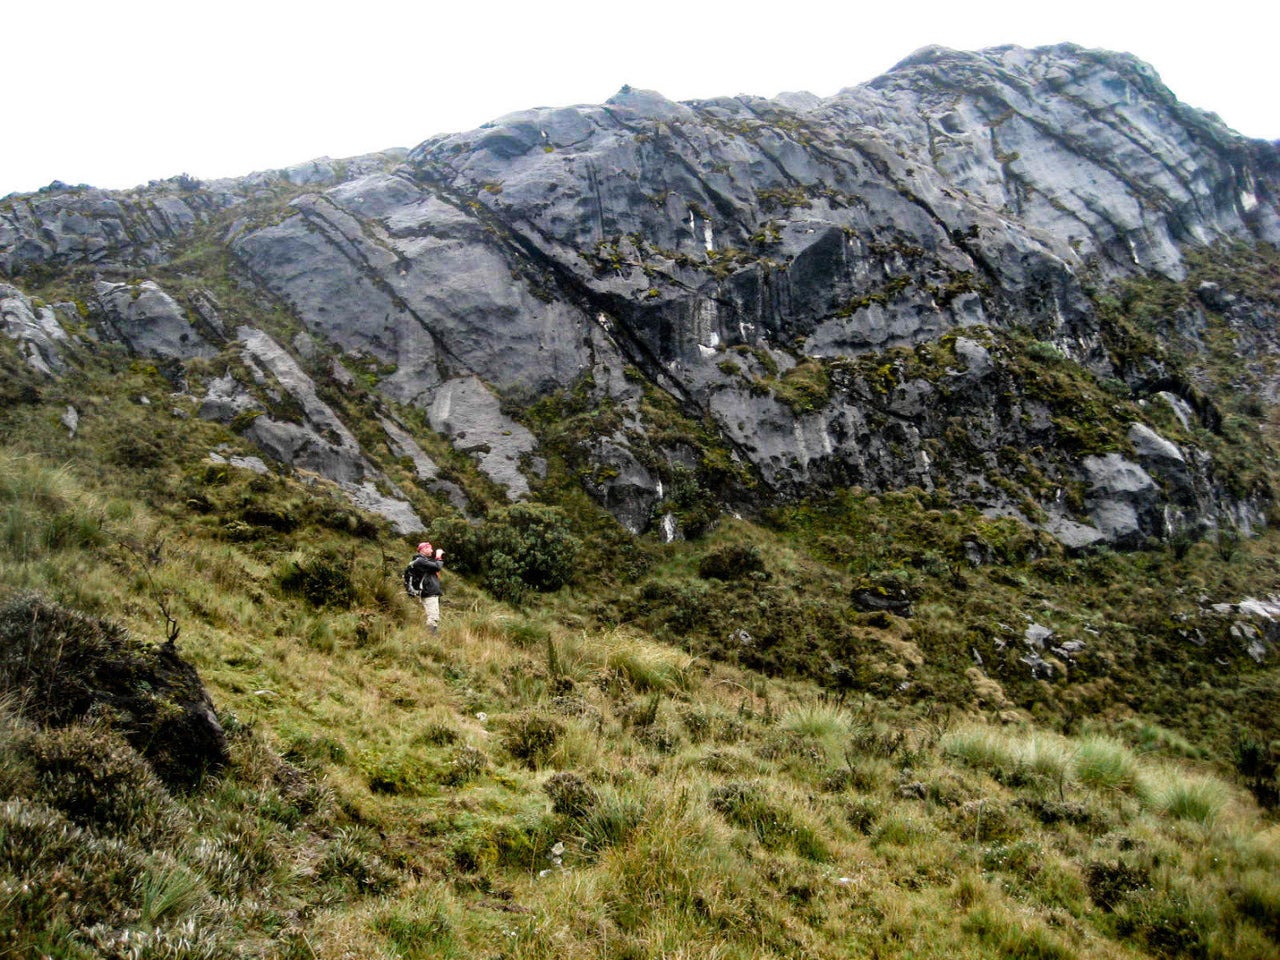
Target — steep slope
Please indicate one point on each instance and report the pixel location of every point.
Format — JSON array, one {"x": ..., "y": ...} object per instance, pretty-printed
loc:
[
  {"x": 770, "y": 265},
  {"x": 942, "y": 337}
]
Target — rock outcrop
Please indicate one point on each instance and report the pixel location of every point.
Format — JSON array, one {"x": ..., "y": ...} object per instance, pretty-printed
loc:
[{"x": 826, "y": 286}]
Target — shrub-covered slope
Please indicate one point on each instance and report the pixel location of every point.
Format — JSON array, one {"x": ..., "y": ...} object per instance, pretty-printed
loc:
[{"x": 837, "y": 733}]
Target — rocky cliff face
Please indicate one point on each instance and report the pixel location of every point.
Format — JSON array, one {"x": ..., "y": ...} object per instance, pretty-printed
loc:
[{"x": 835, "y": 292}]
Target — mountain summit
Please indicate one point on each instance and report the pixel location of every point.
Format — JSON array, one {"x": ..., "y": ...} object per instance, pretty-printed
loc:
[{"x": 900, "y": 285}]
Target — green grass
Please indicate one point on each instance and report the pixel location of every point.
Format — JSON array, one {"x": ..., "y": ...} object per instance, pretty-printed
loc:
[
  {"x": 531, "y": 784},
  {"x": 698, "y": 749}
]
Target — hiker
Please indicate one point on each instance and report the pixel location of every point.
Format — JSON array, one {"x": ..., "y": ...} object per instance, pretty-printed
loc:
[{"x": 422, "y": 580}]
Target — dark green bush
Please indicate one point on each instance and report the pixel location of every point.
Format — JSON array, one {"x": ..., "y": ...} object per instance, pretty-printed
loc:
[
  {"x": 322, "y": 578},
  {"x": 462, "y": 542},
  {"x": 136, "y": 450},
  {"x": 1167, "y": 924},
  {"x": 530, "y": 738},
  {"x": 733, "y": 561},
  {"x": 516, "y": 549},
  {"x": 531, "y": 543},
  {"x": 1257, "y": 765}
]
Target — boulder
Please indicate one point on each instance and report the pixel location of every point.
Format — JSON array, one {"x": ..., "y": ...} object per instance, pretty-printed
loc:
[
  {"x": 1122, "y": 499},
  {"x": 41, "y": 338},
  {"x": 149, "y": 322}
]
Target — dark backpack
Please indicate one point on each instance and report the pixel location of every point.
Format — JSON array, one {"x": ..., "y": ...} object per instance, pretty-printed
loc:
[{"x": 414, "y": 575}]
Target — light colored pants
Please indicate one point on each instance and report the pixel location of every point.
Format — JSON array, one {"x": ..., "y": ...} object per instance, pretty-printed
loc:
[{"x": 432, "y": 607}]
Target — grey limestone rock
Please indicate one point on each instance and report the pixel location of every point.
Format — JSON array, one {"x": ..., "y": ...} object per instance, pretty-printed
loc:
[
  {"x": 1121, "y": 498},
  {"x": 1153, "y": 448},
  {"x": 150, "y": 322},
  {"x": 625, "y": 487},
  {"x": 252, "y": 464},
  {"x": 1254, "y": 624},
  {"x": 41, "y": 338},
  {"x": 71, "y": 420},
  {"x": 468, "y": 412},
  {"x": 320, "y": 444},
  {"x": 403, "y": 445},
  {"x": 709, "y": 248}
]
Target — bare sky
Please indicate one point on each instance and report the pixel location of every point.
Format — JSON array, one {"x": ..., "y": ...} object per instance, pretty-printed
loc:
[{"x": 119, "y": 93}]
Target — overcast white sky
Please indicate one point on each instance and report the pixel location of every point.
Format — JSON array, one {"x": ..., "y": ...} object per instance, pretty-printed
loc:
[{"x": 119, "y": 93}]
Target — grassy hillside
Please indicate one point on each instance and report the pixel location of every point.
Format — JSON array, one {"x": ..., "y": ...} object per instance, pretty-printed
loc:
[
  {"x": 590, "y": 775},
  {"x": 817, "y": 733}
]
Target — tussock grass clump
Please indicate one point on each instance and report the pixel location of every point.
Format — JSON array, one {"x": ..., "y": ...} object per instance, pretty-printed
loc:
[
  {"x": 1106, "y": 764},
  {"x": 645, "y": 665},
  {"x": 1047, "y": 757},
  {"x": 1175, "y": 793},
  {"x": 43, "y": 509},
  {"x": 818, "y": 721},
  {"x": 421, "y": 925},
  {"x": 981, "y": 747},
  {"x": 94, "y": 777},
  {"x": 1007, "y": 935},
  {"x": 1258, "y": 898}
]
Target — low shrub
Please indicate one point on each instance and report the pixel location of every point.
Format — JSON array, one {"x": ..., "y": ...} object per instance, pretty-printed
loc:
[
  {"x": 571, "y": 796},
  {"x": 67, "y": 876},
  {"x": 732, "y": 561},
  {"x": 324, "y": 578},
  {"x": 746, "y": 805},
  {"x": 94, "y": 777},
  {"x": 1111, "y": 881},
  {"x": 531, "y": 738},
  {"x": 465, "y": 764},
  {"x": 60, "y": 665},
  {"x": 1168, "y": 923}
]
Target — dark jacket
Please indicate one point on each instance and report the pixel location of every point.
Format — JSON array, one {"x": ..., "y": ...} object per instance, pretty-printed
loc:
[{"x": 428, "y": 571}]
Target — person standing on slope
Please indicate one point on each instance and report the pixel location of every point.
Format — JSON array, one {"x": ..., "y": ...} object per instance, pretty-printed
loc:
[{"x": 422, "y": 580}]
